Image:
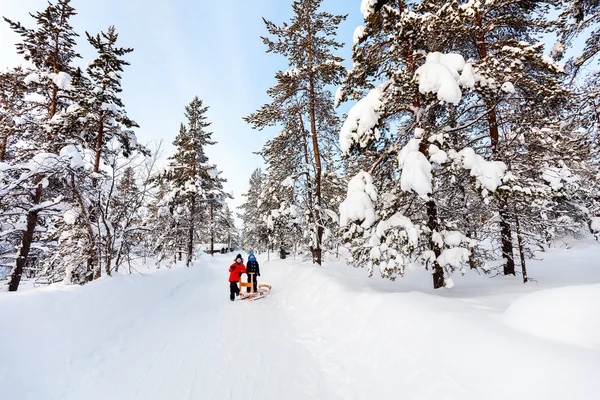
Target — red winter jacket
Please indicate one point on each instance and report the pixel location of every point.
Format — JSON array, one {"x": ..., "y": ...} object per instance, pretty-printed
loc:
[{"x": 235, "y": 272}]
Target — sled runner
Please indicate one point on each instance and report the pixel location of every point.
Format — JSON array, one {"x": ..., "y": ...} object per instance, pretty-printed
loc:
[{"x": 263, "y": 290}]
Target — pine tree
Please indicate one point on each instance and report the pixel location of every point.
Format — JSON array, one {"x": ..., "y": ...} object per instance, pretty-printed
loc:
[
  {"x": 507, "y": 81},
  {"x": 254, "y": 231},
  {"x": 194, "y": 188},
  {"x": 50, "y": 48},
  {"x": 302, "y": 103},
  {"x": 409, "y": 130},
  {"x": 12, "y": 92}
]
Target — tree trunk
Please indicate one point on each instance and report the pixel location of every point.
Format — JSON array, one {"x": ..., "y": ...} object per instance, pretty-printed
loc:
[
  {"x": 3, "y": 148},
  {"x": 212, "y": 232},
  {"x": 507, "y": 246},
  {"x": 520, "y": 244},
  {"x": 432, "y": 224},
  {"x": 505, "y": 229},
  {"x": 98, "y": 150},
  {"x": 190, "y": 246},
  {"x": 32, "y": 217},
  {"x": 316, "y": 251}
]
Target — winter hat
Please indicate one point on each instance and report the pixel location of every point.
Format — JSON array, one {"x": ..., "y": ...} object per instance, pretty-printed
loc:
[{"x": 240, "y": 257}]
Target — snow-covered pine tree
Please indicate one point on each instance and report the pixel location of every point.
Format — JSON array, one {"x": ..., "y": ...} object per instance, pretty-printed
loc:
[
  {"x": 254, "y": 230},
  {"x": 510, "y": 81},
  {"x": 280, "y": 216},
  {"x": 12, "y": 92},
  {"x": 409, "y": 129},
  {"x": 302, "y": 103},
  {"x": 216, "y": 197},
  {"x": 106, "y": 132},
  {"x": 522, "y": 92},
  {"x": 192, "y": 187},
  {"x": 50, "y": 48},
  {"x": 581, "y": 17},
  {"x": 225, "y": 229}
]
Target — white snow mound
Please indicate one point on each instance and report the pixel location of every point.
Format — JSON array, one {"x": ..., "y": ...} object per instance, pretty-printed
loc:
[{"x": 569, "y": 314}]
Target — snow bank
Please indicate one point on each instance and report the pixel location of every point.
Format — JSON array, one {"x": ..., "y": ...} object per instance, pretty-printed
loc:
[
  {"x": 377, "y": 336},
  {"x": 325, "y": 332},
  {"x": 570, "y": 315}
]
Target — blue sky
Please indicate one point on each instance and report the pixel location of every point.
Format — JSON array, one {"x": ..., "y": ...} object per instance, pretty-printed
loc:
[{"x": 185, "y": 48}]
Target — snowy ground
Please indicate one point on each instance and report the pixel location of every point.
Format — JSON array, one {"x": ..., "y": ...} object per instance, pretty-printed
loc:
[{"x": 326, "y": 333}]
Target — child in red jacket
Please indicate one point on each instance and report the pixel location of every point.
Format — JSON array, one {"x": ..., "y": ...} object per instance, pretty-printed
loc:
[{"x": 235, "y": 273}]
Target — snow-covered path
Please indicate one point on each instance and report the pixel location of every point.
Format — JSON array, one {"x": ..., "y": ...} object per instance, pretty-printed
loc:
[
  {"x": 175, "y": 336},
  {"x": 196, "y": 344},
  {"x": 324, "y": 333}
]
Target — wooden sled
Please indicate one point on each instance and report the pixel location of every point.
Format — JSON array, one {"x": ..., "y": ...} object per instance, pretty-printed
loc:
[{"x": 263, "y": 290}]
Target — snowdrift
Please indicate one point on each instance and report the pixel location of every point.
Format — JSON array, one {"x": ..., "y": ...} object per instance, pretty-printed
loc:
[{"x": 324, "y": 332}]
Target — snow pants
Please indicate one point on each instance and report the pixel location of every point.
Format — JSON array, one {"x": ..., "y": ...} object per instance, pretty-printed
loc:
[
  {"x": 233, "y": 290},
  {"x": 255, "y": 283}
]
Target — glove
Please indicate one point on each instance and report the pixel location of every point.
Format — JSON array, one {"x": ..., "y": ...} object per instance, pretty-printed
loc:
[{"x": 258, "y": 274}]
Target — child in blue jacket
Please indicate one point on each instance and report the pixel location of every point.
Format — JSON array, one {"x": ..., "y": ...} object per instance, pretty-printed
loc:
[{"x": 252, "y": 266}]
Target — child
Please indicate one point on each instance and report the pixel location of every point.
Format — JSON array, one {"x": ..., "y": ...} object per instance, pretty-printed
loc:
[
  {"x": 252, "y": 267},
  {"x": 235, "y": 273}
]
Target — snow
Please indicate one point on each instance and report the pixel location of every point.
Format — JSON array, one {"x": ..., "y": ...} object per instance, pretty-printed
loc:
[
  {"x": 323, "y": 333},
  {"x": 557, "y": 176},
  {"x": 358, "y": 205},
  {"x": 440, "y": 75},
  {"x": 488, "y": 173},
  {"x": 367, "y": 7},
  {"x": 398, "y": 220},
  {"x": 288, "y": 182},
  {"x": 569, "y": 314},
  {"x": 467, "y": 76},
  {"x": 71, "y": 153},
  {"x": 358, "y": 34},
  {"x": 360, "y": 125},
  {"x": 453, "y": 238},
  {"x": 18, "y": 120},
  {"x": 63, "y": 81},
  {"x": 454, "y": 257},
  {"x": 416, "y": 174},
  {"x": 43, "y": 162},
  {"x": 594, "y": 225},
  {"x": 339, "y": 94},
  {"x": 436, "y": 155},
  {"x": 109, "y": 107},
  {"x": 558, "y": 50},
  {"x": 70, "y": 216},
  {"x": 33, "y": 77},
  {"x": 416, "y": 169},
  {"x": 507, "y": 87}
]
